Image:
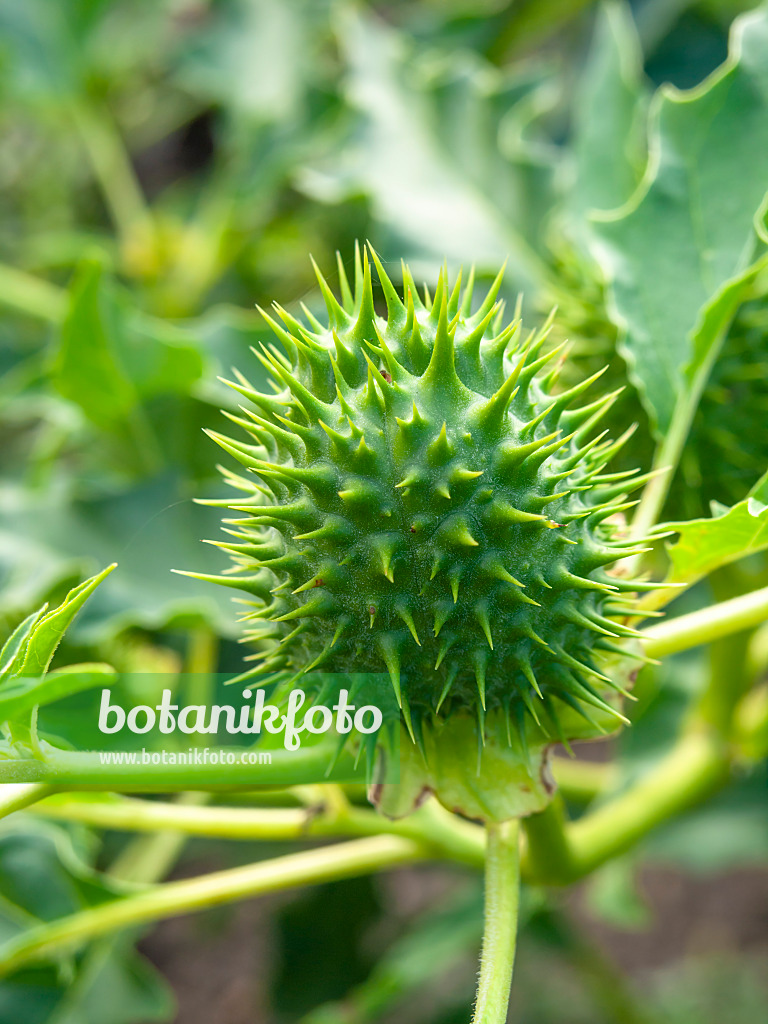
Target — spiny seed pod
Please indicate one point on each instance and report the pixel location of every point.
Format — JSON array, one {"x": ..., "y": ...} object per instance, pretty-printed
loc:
[{"x": 428, "y": 505}]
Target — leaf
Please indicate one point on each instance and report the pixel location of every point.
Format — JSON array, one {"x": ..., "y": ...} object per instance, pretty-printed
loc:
[
  {"x": 678, "y": 255},
  {"x": 607, "y": 145},
  {"x": 86, "y": 367},
  {"x": 15, "y": 646},
  {"x": 704, "y": 545},
  {"x": 23, "y": 694},
  {"x": 110, "y": 358},
  {"x": 151, "y": 529},
  {"x": 252, "y": 57},
  {"x": 47, "y": 632},
  {"x": 424, "y": 147},
  {"x": 43, "y": 876}
]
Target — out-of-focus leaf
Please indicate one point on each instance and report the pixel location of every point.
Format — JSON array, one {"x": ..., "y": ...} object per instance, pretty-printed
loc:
[
  {"x": 433, "y": 947},
  {"x": 252, "y": 57},
  {"x": 43, "y": 876},
  {"x": 109, "y": 358},
  {"x": 86, "y": 367},
  {"x": 23, "y": 694},
  {"x": 150, "y": 530},
  {"x": 679, "y": 253},
  {"x": 607, "y": 144},
  {"x": 115, "y": 985},
  {"x": 38, "y": 49},
  {"x": 424, "y": 149},
  {"x": 228, "y": 334},
  {"x": 612, "y": 895},
  {"x": 729, "y": 832}
]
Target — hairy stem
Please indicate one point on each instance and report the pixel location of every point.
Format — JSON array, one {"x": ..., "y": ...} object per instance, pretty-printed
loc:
[
  {"x": 327, "y": 863},
  {"x": 502, "y": 891}
]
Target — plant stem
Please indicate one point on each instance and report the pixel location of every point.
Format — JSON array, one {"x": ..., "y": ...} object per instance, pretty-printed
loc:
[
  {"x": 712, "y": 623},
  {"x": 328, "y": 863},
  {"x": 547, "y": 843},
  {"x": 16, "y": 796},
  {"x": 32, "y": 295},
  {"x": 694, "y": 769},
  {"x": 670, "y": 449},
  {"x": 502, "y": 892},
  {"x": 150, "y": 857},
  {"x": 582, "y": 781},
  {"x": 432, "y": 826},
  {"x": 65, "y": 769},
  {"x": 115, "y": 174}
]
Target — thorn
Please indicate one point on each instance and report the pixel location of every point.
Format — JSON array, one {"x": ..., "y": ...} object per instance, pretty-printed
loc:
[
  {"x": 481, "y": 614},
  {"x": 404, "y": 613}
]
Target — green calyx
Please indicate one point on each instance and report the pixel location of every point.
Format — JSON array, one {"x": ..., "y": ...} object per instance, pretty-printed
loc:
[{"x": 425, "y": 503}]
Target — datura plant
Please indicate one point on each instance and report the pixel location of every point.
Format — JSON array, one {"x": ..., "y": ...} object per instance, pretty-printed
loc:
[{"x": 425, "y": 501}]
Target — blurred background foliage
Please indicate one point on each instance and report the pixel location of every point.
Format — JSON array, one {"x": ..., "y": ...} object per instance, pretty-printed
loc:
[{"x": 168, "y": 164}]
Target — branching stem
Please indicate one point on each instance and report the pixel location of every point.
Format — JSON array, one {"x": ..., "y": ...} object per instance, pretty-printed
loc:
[
  {"x": 344, "y": 860},
  {"x": 711, "y": 623}
]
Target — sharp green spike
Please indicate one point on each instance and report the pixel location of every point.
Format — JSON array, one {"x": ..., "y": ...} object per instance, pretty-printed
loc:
[
  {"x": 404, "y": 613},
  {"x": 346, "y": 293},
  {"x": 445, "y": 646},
  {"x": 395, "y": 308},
  {"x": 466, "y": 302},
  {"x": 337, "y": 315},
  {"x": 481, "y": 615},
  {"x": 480, "y": 663},
  {"x": 442, "y": 614},
  {"x": 391, "y": 655},
  {"x": 490, "y": 299},
  {"x": 456, "y": 534},
  {"x": 364, "y": 326},
  {"x": 449, "y": 680},
  {"x": 441, "y": 450}
]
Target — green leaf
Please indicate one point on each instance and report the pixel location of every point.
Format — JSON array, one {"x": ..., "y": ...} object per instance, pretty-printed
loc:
[
  {"x": 86, "y": 367},
  {"x": 151, "y": 529},
  {"x": 110, "y": 358},
  {"x": 704, "y": 545},
  {"x": 607, "y": 144},
  {"x": 251, "y": 57},
  {"x": 46, "y": 634},
  {"x": 438, "y": 147},
  {"x": 14, "y": 648},
  {"x": 43, "y": 876},
  {"x": 678, "y": 255},
  {"x": 23, "y": 694}
]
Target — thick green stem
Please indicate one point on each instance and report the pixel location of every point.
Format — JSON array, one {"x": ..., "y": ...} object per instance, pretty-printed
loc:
[
  {"x": 328, "y": 863},
  {"x": 547, "y": 843},
  {"x": 66, "y": 769},
  {"x": 17, "y": 796},
  {"x": 432, "y": 826},
  {"x": 712, "y": 623},
  {"x": 695, "y": 768},
  {"x": 502, "y": 893}
]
